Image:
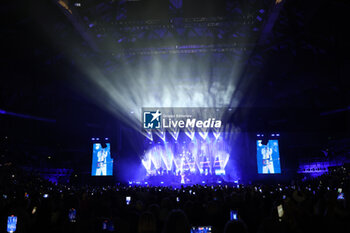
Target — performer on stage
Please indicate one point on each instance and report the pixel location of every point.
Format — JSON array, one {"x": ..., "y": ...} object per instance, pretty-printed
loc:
[
  {"x": 101, "y": 168},
  {"x": 182, "y": 178},
  {"x": 267, "y": 162}
]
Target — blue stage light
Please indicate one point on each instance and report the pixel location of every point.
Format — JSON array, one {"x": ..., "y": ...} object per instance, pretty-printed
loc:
[
  {"x": 219, "y": 172},
  {"x": 162, "y": 182},
  {"x": 93, "y": 139},
  {"x": 130, "y": 182}
]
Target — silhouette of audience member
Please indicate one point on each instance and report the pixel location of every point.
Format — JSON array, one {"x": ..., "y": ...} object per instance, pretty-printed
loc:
[
  {"x": 147, "y": 223},
  {"x": 177, "y": 222},
  {"x": 236, "y": 226}
]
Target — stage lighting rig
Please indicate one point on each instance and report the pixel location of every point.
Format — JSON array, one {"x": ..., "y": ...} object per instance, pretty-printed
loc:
[{"x": 102, "y": 140}]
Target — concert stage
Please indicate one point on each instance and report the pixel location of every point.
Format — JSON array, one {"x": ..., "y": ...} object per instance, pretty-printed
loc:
[{"x": 186, "y": 159}]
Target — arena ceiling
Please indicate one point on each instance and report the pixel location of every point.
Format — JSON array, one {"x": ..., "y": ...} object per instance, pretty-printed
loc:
[{"x": 295, "y": 53}]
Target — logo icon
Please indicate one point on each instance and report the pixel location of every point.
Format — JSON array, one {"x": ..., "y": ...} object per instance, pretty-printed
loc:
[{"x": 152, "y": 120}]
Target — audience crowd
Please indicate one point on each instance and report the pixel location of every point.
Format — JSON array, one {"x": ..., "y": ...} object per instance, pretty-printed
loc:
[{"x": 309, "y": 205}]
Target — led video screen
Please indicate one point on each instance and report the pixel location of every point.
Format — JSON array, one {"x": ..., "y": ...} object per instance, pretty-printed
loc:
[
  {"x": 102, "y": 163},
  {"x": 268, "y": 157}
]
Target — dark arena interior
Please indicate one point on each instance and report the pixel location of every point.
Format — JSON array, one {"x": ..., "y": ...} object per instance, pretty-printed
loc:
[{"x": 175, "y": 116}]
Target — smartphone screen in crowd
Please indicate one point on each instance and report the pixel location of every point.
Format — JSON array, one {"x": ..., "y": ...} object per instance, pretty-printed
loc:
[
  {"x": 280, "y": 211},
  {"x": 340, "y": 196},
  {"x": 11, "y": 223},
  {"x": 107, "y": 225},
  {"x": 233, "y": 215},
  {"x": 201, "y": 229},
  {"x": 72, "y": 215},
  {"x": 128, "y": 199}
]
